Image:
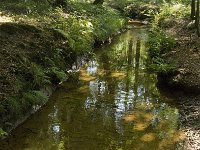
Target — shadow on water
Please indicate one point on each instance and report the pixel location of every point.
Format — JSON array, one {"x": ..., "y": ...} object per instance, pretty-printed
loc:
[{"x": 115, "y": 105}]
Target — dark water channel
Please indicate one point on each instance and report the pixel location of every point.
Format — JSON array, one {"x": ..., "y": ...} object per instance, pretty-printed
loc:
[{"x": 115, "y": 105}]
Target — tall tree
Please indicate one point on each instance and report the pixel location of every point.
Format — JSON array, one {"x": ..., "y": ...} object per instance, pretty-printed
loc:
[
  {"x": 98, "y": 2},
  {"x": 193, "y": 9},
  {"x": 197, "y": 19},
  {"x": 58, "y": 3}
]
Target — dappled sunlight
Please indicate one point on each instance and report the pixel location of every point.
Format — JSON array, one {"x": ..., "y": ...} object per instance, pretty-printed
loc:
[
  {"x": 4, "y": 19},
  {"x": 147, "y": 116},
  {"x": 118, "y": 75},
  {"x": 83, "y": 89},
  {"x": 144, "y": 105},
  {"x": 165, "y": 144},
  {"x": 149, "y": 137},
  {"x": 101, "y": 72},
  {"x": 85, "y": 76},
  {"x": 177, "y": 136},
  {"x": 137, "y": 116},
  {"x": 129, "y": 117},
  {"x": 140, "y": 126}
]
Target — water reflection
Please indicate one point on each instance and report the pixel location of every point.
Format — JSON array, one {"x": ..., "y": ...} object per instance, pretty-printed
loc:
[{"x": 114, "y": 106}]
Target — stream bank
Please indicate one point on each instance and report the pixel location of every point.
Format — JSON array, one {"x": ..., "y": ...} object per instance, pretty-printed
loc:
[
  {"x": 181, "y": 73},
  {"x": 38, "y": 47},
  {"x": 185, "y": 79},
  {"x": 186, "y": 55},
  {"x": 115, "y": 104}
]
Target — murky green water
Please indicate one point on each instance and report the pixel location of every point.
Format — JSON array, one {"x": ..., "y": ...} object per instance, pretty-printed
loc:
[{"x": 114, "y": 106}]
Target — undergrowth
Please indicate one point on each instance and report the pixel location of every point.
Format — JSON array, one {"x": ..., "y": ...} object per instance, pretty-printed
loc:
[
  {"x": 40, "y": 45},
  {"x": 161, "y": 42}
]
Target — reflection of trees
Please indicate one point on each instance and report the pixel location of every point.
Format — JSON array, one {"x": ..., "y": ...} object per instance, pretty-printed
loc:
[
  {"x": 130, "y": 52},
  {"x": 137, "y": 64},
  {"x": 92, "y": 118},
  {"x": 137, "y": 54}
]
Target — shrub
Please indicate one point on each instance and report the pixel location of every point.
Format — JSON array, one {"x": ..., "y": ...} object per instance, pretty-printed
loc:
[{"x": 159, "y": 44}]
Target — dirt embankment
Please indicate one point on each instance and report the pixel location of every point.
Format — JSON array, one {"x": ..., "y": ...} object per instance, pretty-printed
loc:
[
  {"x": 186, "y": 79},
  {"x": 186, "y": 55}
]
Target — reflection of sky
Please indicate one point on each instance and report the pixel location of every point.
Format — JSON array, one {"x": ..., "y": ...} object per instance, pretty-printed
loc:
[
  {"x": 54, "y": 127},
  {"x": 124, "y": 97},
  {"x": 92, "y": 67},
  {"x": 68, "y": 121},
  {"x": 129, "y": 94}
]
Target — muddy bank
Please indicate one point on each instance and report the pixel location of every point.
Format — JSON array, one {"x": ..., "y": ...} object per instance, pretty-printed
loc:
[{"x": 186, "y": 56}]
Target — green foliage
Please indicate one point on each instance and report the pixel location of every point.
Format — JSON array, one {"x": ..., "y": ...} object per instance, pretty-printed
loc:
[
  {"x": 60, "y": 74},
  {"x": 12, "y": 106},
  {"x": 87, "y": 24},
  {"x": 38, "y": 75},
  {"x": 76, "y": 29},
  {"x": 107, "y": 24},
  {"x": 141, "y": 11},
  {"x": 18, "y": 106},
  {"x": 159, "y": 44},
  {"x": 2, "y": 132},
  {"x": 171, "y": 11},
  {"x": 120, "y": 4},
  {"x": 21, "y": 7},
  {"x": 46, "y": 41},
  {"x": 161, "y": 67},
  {"x": 34, "y": 98}
]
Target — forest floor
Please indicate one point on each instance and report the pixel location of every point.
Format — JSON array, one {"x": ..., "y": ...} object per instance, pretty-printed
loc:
[{"x": 186, "y": 55}]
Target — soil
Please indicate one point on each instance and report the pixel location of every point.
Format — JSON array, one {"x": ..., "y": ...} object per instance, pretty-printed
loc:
[
  {"x": 186, "y": 55},
  {"x": 186, "y": 78}
]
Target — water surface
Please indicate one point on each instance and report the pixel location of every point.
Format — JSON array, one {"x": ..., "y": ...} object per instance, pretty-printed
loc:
[{"x": 115, "y": 105}]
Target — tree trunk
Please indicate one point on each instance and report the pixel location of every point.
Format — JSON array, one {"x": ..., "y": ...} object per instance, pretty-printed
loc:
[
  {"x": 193, "y": 9},
  {"x": 98, "y": 2},
  {"x": 197, "y": 19},
  {"x": 60, "y": 3}
]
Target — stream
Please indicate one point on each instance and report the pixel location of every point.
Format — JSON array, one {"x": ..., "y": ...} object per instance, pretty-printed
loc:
[{"x": 115, "y": 105}]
